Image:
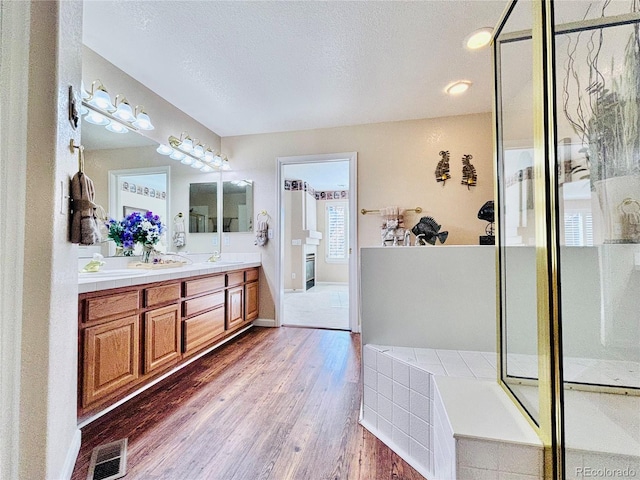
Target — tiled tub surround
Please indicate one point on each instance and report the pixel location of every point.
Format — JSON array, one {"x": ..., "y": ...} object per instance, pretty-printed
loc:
[
  {"x": 467, "y": 416},
  {"x": 444, "y": 413}
]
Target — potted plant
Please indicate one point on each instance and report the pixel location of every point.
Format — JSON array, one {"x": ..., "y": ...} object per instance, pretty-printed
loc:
[{"x": 606, "y": 116}]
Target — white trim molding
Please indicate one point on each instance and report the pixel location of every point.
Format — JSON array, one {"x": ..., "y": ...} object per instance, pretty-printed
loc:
[{"x": 354, "y": 278}]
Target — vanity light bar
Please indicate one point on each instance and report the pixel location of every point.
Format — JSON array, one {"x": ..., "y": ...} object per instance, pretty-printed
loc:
[
  {"x": 118, "y": 116},
  {"x": 191, "y": 152}
]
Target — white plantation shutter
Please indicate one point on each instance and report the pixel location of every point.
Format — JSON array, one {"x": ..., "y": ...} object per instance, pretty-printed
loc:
[
  {"x": 337, "y": 234},
  {"x": 578, "y": 229}
]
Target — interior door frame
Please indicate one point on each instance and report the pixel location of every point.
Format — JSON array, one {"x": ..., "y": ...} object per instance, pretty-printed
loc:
[{"x": 354, "y": 279}]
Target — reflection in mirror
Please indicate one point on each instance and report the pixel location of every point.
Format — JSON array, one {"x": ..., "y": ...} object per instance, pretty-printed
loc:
[
  {"x": 118, "y": 164},
  {"x": 237, "y": 206},
  {"x": 203, "y": 207}
]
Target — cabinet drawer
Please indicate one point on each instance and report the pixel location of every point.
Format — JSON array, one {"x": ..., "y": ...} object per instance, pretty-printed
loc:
[
  {"x": 164, "y": 294},
  {"x": 200, "y": 304},
  {"x": 202, "y": 329},
  {"x": 235, "y": 278},
  {"x": 252, "y": 275},
  {"x": 209, "y": 284},
  {"x": 111, "y": 305}
]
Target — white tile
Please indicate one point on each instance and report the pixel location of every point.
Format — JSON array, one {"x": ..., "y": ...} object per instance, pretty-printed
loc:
[
  {"x": 458, "y": 370},
  {"x": 370, "y": 377},
  {"x": 477, "y": 453},
  {"x": 419, "y": 430},
  {"x": 603, "y": 461},
  {"x": 384, "y": 364},
  {"x": 432, "y": 368},
  {"x": 401, "y": 440},
  {"x": 448, "y": 355},
  {"x": 406, "y": 354},
  {"x": 401, "y": 419},
  {"x": 369, "y": 356},
  {"x": 385, "y": 408},
  {"x": 123, "y": 282},
  {"x": 419, "y": 453},
  {"x": 370, "y": 417},
  {"x": 573, "y": 465},
  {"x": 378, "y": 348},
  {"x": 370, "y": 398},
  {"x": 491, "y": 357},
  {"x": 516, "y": 476},
  {"x": 401, "y": 372},
  {"x": 426, "y": 355},
  {"x": 401, "y": 395},
  {"x": 87, "y": 287},
  {"x": 384, "y": 427},
  {"x": 519, "y": 459},
  {"x": 420, "y": 405},
  {"x": 419, "y": 381},
  {"x": 385, "y": 386},
  {"x": 466, "y": 473}
]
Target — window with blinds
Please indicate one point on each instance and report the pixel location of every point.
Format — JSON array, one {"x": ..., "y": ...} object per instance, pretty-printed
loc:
[
  {"x": 337, "y": 232},
  {"x": 578, "y": 229}
]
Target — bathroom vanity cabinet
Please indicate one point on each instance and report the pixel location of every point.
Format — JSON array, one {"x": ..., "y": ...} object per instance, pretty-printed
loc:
[{"x": 130, "y": 336}]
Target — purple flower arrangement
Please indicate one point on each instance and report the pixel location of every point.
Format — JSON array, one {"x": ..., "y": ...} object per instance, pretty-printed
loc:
[{"x": 145, "y": 229}]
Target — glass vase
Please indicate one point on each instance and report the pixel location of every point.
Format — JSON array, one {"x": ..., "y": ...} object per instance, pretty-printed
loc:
[{"x": 146, "y": 253}]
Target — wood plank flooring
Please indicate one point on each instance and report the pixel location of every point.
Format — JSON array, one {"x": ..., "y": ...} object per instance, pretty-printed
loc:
[{"x": 276, "y": 403}]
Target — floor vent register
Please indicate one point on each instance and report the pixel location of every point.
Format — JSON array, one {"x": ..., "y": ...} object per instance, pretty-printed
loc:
[{"x": 108, "y": 461}]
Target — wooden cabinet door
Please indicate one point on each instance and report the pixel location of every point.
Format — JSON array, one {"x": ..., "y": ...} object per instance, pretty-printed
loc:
[
  {"x": 110, "y": 357},
  {"x": 235, "y": 306},
  {"x": 161, "y": 337},
  {"x": 251, "y": 301}
]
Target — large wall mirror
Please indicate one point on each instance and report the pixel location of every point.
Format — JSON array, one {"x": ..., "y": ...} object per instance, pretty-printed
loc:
[
  {"x": 128, "y": 174},
  {"x": 203, "y": 207},
  {"x": 237, "y": 206}
]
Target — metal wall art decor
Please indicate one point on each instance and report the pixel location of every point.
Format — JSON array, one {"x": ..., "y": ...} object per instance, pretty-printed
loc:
[
  {"x": 469, "y": 175},
  {"x": 428, "y": 231},
  {"x": 442, "y": 170}
]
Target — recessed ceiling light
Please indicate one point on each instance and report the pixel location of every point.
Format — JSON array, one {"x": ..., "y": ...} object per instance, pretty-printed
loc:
[
  {"x": 456, "y": 88},
  {"x": 479, "y": 38}
]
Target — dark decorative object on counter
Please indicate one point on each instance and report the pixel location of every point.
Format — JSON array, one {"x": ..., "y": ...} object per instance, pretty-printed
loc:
[
  {"x": 487, "y": 214},
  {"x": 469, "y": 175},
  {"x": 428, "y": 231},
  {"x": 442, "y": 170}
]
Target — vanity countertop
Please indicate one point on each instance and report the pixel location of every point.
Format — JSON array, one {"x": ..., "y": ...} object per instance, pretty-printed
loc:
[{"x": 108, "y": 278}]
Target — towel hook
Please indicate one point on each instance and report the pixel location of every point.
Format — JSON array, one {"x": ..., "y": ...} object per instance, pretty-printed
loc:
[{"x": 80, "y": 148}]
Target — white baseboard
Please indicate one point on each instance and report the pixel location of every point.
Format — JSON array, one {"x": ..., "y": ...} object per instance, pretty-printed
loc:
[
  {"x": 265, "y": 322},
  {"x": 72, "y": 455}
]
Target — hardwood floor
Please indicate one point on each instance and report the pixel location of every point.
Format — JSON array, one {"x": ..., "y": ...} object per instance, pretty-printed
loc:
[{"x": 276, "y": 403}]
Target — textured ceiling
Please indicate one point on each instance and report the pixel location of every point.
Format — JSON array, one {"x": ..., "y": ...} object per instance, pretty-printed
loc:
[{"x": 255, "y": 67}]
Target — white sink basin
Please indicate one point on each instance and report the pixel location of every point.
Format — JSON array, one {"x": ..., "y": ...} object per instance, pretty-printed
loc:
[{"x": 127, "y": 272}]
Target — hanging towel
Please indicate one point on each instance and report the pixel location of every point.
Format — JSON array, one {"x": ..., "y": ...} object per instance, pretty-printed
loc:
[
  {"x": 262, "y": 229},
  {"x": 85, "y": 228},
  {"x": 179, "y": 234}
]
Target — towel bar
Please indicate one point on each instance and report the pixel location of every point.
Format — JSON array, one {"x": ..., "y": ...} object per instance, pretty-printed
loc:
[{"x": 364, "y": 211}]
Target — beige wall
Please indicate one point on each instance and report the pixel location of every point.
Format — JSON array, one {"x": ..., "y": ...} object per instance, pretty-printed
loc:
[
  {"x": 396, "y": 165},
  {"x": 166, "y": 118},
  {"x": 48, "y": 432}
]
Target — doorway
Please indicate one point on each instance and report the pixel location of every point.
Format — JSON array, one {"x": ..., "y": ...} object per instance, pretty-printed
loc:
[{"x": 317, "y": 267}]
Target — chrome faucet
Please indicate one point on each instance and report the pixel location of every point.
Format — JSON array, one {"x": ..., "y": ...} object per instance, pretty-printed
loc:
[{"x": 215, "y": 257}]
